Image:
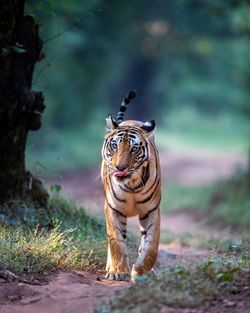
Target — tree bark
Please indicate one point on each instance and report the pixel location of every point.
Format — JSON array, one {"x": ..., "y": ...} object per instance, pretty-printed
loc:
[{"x": 20, "y": 107}]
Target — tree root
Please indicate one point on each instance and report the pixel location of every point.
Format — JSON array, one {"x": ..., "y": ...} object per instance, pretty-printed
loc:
[{"x": 11, "y": 277}]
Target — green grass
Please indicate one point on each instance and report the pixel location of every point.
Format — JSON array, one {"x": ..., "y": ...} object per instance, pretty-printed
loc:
[
  {"x": 199, "y": 241},
  {"x": 187, "y": 284},
  {"x": 178, "y": 197},
  {"x": 225, "y": 203},
  {"x": 230, "y": 202},
  {"x": 70, "y": 238},
  {"x": 222, "y": 206}
]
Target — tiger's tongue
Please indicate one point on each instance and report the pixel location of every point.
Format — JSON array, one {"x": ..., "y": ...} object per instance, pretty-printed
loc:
[{"x": 121, "y": 174}]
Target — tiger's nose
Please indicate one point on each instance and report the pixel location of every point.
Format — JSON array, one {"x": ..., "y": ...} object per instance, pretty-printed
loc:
[{"x": 121, "y": 167}]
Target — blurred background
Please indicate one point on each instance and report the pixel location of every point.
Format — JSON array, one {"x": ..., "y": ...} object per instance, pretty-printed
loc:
[{"x": 189, "y": 63}]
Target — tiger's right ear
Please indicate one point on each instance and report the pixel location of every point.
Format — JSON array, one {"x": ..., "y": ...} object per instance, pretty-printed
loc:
[{"x": 111, "y": 123}]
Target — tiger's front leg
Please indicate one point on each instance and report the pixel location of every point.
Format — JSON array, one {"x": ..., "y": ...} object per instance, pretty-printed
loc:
[
  {"x": 148, "y": 251},
  {"x": 117, "y": 266}
]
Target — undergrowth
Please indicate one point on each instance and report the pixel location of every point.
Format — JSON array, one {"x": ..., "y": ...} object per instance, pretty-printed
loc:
[
  {"x": 66, "y": 238},
  {"x": 225, "y": 203},
  {"x": 230, "y": 202},
  {"x": 187, "y": 284}
]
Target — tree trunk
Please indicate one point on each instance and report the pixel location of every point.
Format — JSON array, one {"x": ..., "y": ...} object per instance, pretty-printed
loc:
[{"x": 20, "y": 107}]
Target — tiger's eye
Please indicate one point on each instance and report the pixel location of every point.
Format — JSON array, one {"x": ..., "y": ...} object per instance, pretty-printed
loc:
[
  {"x": 114, "y": 145},
  {"x": 134, "y": 149}
]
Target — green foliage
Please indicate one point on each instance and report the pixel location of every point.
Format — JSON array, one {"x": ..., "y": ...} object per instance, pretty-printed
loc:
[
  {"x": 186, "y": 284},
  {"x": 66, "y": 212},
  {"x": 230, "y": 202},
  {"x": 177, "y": 54},
  {"x": 225, "y": 203},
  {"x": 71, "y": 239},
  {"x": 65, "y": 150},
  {"x": 179, "y": 197},
  {"x": 188, "y": 128},
  {"x": 19, "y": 213}
]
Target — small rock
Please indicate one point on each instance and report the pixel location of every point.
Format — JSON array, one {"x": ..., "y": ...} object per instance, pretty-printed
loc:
[
  {"x": 241, "y": 304},
  {"x": 30, "y": 300},
  {"x": 10, "y": 297},
  {"x": 2, "y": 280},
  {"x": 228, "y": 303}
]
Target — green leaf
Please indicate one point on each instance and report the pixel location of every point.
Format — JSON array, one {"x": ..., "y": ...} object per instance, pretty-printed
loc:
[{"x": 55, "y": 188}]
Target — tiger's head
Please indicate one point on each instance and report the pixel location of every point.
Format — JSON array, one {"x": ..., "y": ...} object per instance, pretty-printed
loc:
[{"x": 125, "y": 147}]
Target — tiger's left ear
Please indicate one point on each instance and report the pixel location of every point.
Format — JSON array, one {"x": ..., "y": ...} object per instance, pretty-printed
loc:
[
  {"x": 111, "y": 123},
  {"x": 149, "y": 126}
]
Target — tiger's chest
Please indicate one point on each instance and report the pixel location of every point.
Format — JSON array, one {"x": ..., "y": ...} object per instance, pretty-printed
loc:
[
  {"x": 128, "y": 196},
  {"x": 121, "y": 198}
]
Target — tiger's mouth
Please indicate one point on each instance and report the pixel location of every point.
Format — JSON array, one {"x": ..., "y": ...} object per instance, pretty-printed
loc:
[{"x": 121, "y": 174}]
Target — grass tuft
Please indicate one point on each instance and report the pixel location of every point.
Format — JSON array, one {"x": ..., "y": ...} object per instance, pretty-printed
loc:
[{"x": 70, "y": 239}]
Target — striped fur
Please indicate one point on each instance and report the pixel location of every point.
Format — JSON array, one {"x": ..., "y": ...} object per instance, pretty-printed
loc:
[
  {"x": 131, "y": 95},
  {"x": 132, "y": 182}
]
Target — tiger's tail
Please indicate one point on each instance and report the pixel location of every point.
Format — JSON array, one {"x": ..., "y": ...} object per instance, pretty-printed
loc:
[{"x": 131, "y": 95}]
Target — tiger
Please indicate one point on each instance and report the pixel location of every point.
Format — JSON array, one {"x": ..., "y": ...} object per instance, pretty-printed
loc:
[{"x": 131, "y": 180}]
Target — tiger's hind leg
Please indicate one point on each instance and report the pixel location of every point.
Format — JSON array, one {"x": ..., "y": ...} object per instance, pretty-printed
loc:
[
  {"x": 148, "y": 251},
  {"x": 117, "y": 266}
]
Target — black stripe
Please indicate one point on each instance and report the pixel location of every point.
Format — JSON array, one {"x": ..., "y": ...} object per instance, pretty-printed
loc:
[
  {"x": 150, "y": 196},
  {"x": 129, "y": 188},
  {"x": 145, "y": 174},
  {"x": 125, "y": 189},
  {"x": 126, "y": 100},
  {"x": 133, "y": 131},
  {"x": 131, "y": 136},
  {"x": 118, "y": 212},
  {"x": 149, "y": 212},
  {"x": 114, "y": 194},
  {"x": 142, "y": 160},
  {"x": 150, "y": 226},
  {"x": 120, "y": 132},
  {"x": 143, "y": 233},
  {"x": 123, "y": 233},
  {"x": 140, "y": 185},
  {"x": 156, "y": 175}
]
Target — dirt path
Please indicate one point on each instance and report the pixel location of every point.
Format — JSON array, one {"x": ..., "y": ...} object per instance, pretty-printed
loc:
[
  {"x": 77, "y": 292},
  {"x": 69, "y": 292}
]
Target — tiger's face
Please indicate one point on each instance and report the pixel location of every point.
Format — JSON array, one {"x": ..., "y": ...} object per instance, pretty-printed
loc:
[
  {"x": 125, "y": 148},
  {"x": 125, "y": 151}
]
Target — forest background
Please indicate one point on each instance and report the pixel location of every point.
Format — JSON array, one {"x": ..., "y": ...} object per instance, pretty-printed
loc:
[{"x": 188, "y": 61}]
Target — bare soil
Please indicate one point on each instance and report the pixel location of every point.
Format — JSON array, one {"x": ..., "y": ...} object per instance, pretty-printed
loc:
[
  {"x": 77, "y": 292},
  {"x": 67, "y": 292}
]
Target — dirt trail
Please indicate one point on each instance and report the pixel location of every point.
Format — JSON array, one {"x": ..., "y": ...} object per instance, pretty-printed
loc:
[
  {"x": 69, "y": 292},
  {"x": 78, "y": 292}
]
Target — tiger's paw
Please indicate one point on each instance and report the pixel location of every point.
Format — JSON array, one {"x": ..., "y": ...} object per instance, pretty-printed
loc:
[
  {"x": 121, "y": 276},
  {"x": 139, "y": 275}
]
